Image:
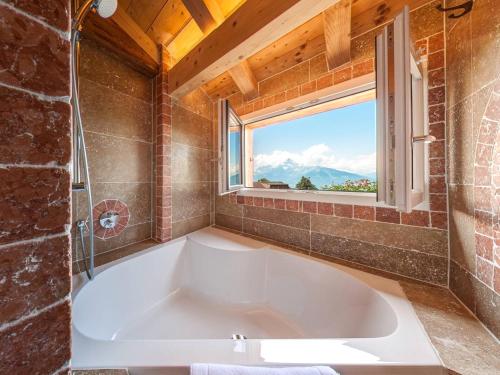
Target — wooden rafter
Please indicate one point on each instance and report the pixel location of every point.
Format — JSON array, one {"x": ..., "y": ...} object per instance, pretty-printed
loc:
[
  {"x": 337, "y": 29},
  {"x": 253, "y": 25},
  {"x": 245, "y": 80},
  {"x": 132, "y": 29},
  {"x": 201, "y": 14}
]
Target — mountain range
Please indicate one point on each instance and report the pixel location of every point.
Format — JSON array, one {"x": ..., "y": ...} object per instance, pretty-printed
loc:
[{"x": 291, "y": 172}]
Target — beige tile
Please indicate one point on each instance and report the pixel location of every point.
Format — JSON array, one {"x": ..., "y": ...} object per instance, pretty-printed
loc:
[
  {"x": 114, "y": 159},
  {"x": 425, "y": 21},
  {"x": 190, "y": 200},
  {"x": 190, "y": 164},
  {"x": 286, "y": 218},
  {"x": 286, "y": 80},
  {"x": 288, "y": 235},
  {"x": 485, "y": 19},
  {"x": 102, "y": 66},
  {"x": 425, "y": 240},
  {"x": 460, "y": 139},
  {"x": 458, "y": 61},
  {"x": 182, "y": 228},
  {"x": 130, "y": 235},
  {"x": 108, "y": 111},
  {"x": 487, "y": 307},
  {"x": 425, "y": 267},
  {"x": 461, "y": 284},
  {"x": 228, "y": 221},
  {"x": 190, "y": 129},
  {"x": 462, "y": 240},
  {"x": 225, "y": 207},
  {"x": 198, "y": 102},
  {"x": 463, "y": 344}
]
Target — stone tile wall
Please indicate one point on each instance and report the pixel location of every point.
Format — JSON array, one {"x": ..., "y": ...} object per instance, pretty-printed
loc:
[
  {"x": 473, "y": 142},
  {"x": 35, "y": 212},
  {"x": 378, "y": 237},
  {"x": 116, "y": 104},
  {"x": 192, "y": 158},
  {"x": 413, "y": 245}
]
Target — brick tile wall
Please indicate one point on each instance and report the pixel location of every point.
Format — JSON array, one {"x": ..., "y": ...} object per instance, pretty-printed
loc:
[
  {"x": 35, "y": 149},
  {"x": 163, "y": 155}
]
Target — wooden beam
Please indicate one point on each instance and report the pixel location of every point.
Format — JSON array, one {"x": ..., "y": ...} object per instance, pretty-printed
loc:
[
  {"x": 370, "y": 14},
  {"x": 201, "y": 15},
  {"x": 337, "y": 27},
  {"x": 252, "y": 26},
  {"x": 133, "y": 30},
  {"x": 245, "y": 80}
]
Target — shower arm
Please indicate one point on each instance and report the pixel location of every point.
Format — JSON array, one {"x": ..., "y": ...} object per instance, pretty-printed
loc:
[{"x": 81, "y": 13}]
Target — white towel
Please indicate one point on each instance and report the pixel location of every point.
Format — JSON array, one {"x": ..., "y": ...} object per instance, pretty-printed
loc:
[{"x": 213, "y": 369}]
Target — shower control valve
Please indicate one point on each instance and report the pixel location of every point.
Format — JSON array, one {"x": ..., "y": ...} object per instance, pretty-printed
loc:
[{"x": 109, "y": 219}]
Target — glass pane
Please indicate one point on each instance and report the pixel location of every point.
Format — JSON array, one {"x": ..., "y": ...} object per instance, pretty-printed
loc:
[
  {"x": 329, "y": 151},
  {"x": 234, "y": 164}
]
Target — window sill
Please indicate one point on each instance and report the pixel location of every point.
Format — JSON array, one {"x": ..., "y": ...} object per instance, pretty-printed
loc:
[
  {"x": 359, "y": 199},
  {"x": 362, "y": 199}
]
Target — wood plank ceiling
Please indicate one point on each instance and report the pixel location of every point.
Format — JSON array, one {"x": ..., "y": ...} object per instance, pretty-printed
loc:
[{"x": 182, "y": 25}]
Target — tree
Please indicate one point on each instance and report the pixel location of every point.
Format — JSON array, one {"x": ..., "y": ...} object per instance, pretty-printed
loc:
[
  {"x": 263, "y": 180},
  {"x": 305, "y": 184}
]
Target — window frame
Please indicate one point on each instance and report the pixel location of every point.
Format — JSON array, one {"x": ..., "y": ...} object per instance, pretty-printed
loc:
[
  {"x": 402, "y": 155},
  {"x": 340, "y": 91},
  {"x": 226, "y": 112}
]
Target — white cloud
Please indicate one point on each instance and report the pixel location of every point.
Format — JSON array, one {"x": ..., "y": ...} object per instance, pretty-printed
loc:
[{"x": 318, "y": 155}]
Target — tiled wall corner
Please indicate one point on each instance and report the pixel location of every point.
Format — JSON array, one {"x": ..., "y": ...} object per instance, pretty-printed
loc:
[
  {"x": 192, "y": 156},
  {"x": 35, "y": 139},
  {"x": 473, "y": 143},
  {"x": 163, "y": 154}
]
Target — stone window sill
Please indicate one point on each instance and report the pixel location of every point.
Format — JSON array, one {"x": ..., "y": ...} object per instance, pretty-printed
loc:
[{"x": 359, "y": 199}]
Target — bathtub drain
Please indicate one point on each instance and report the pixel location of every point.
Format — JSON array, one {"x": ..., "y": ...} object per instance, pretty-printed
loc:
[{"x": 237, "y": 336}]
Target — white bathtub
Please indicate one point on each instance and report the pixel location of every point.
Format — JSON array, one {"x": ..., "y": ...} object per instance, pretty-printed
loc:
[{"x": 175, "y": 304}]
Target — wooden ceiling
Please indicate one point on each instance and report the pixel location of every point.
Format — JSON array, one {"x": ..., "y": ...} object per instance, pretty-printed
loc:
[{"x": 229, "y": 45}]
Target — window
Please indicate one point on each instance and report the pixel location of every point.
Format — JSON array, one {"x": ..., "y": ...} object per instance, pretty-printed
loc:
[
  {"x": 363, "y": 137},
  {"x": 231, "y": 162},
  {"x": 402, "y": 174},
  {"x": 323, "y": 148}
]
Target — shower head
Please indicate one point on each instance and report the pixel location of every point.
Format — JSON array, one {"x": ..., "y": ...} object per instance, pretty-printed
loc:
[{"x": 106, "y": 8}]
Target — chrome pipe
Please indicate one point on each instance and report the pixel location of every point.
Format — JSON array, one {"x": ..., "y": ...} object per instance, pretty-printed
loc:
[{"x": 81, "y": 151}]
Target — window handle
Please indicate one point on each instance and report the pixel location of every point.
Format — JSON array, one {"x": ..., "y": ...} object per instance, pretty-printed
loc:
[{"x": 424, "y": 139}]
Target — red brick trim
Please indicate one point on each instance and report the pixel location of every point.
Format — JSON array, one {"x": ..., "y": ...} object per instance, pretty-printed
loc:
[{"x": 163, "y": 155}]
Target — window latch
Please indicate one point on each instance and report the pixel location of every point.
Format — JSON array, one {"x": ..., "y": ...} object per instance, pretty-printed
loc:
[{"x": 424, "y": 139}]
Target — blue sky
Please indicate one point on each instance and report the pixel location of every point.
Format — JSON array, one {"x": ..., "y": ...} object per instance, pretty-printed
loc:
[{"x": 343, "y": 139}]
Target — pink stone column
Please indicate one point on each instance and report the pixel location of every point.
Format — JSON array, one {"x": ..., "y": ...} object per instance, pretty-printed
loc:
[{"x": 163, "y": 154}]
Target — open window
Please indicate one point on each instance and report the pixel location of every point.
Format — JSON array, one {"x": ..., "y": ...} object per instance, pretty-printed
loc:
[
  {"x": 370, "y": 146},
  {"x": 231, "y": 161},
  {"x": 401, "y": 125}
]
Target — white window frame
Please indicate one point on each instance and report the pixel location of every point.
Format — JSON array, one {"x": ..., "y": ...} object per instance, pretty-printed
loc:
[
  {"x": 226, "y": 113},
  {"x": 402, "y": 150},
  {"x": 343, "y": 90}
]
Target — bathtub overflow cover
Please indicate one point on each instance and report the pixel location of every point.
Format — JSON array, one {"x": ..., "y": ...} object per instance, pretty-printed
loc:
[{"x": 237, "y": 336}]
